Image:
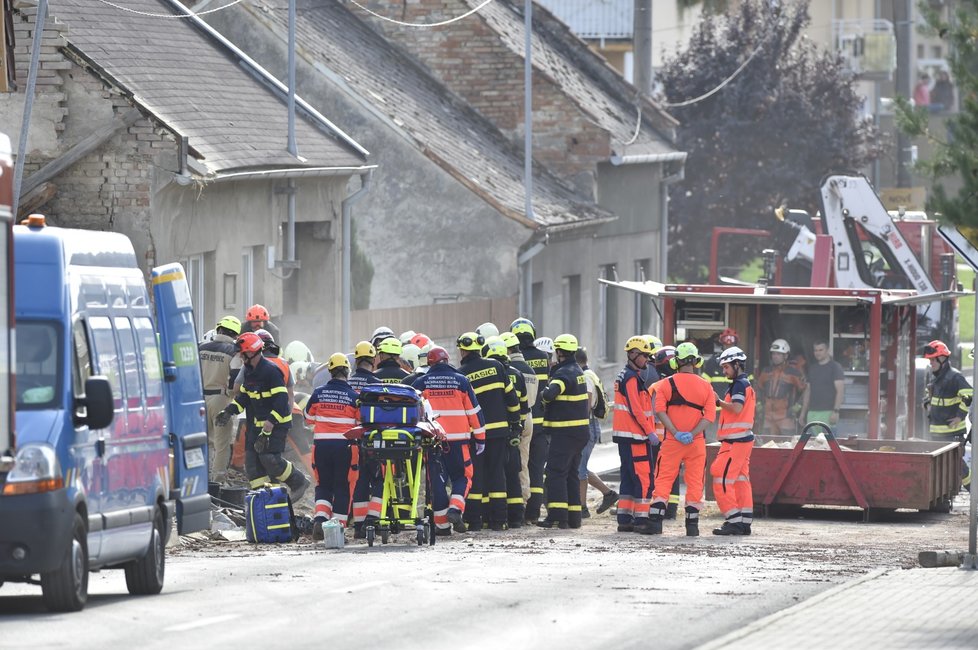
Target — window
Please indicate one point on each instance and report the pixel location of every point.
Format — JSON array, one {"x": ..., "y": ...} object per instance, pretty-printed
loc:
[
  {"x": 608, "y": 310},
  {"x": 37, "y": 369},
  {"x": 571, "y": 304},
  {"x": 81, "y": 368},
  {"x": 195, "y": 278},
  {"x": 150, "y": 356},
  {"x": 106, "y": 356},
  {"x": 130, "y": 364},
  {"x": 643, "y": 303}
]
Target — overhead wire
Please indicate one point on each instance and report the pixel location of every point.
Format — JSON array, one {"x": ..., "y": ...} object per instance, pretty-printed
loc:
[
  {"x": 422, "y": 25},
  {"x": 155, "y": 15}
]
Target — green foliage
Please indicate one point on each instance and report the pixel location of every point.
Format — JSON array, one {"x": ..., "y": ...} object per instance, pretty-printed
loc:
[
  {"x": 956, "y": 151},
  {"x": 766, "y": 138}
]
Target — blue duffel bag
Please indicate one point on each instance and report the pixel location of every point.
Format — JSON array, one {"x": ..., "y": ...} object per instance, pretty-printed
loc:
[
  {"x": 389, "y": 404},
  {"x": 268, "y": 516}
]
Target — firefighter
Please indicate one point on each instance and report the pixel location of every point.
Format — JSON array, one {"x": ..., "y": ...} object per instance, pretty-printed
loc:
[
  {"x": 650, "y": 374},
  {"x": 332, "y": 411},
  {"x": 947, "y": 400},
  {"x": 454, "y": 403},
  {"x": 501, "y": 413},
  {"x": 712, "y": 371},
  {"x": 661, "y": 360},
  {"x": 781, "y": 387},
  {"x": 731, "y": 467},
  {"x": 219, "y": 365},
  {"x": 496, "y": 349},
  {"x": 532, "y": 383},
  {"x": 567, "y": 420},
  {"x": 257, "y": 318},
  {"x": 363, "y": 354},
  {"x": 380, "y": 334},
  {"x": 633, "y": 430},
  {"x": 270, "y": 351},
  {"x": 389, "y": 370},
  {"x": 539, "y": 442},
  {"x": 266, "y": 399},
  {"x": 686, "y": 405}
]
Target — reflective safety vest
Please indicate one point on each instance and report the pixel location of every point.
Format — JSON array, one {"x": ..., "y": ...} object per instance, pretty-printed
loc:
[
  {"x": 495, "y": 394},
  {"x": 632, "y": 419},
  {"x": 538, "y": 360},
  {"x": 263, "y": 394},
  {"x": 332, "y": 410},
  {"x": 949, "y": 396},
  {"x": 454, "y": 403},
  {"x": 565, "y": 400},
  {"x": 738, "y": 427}
]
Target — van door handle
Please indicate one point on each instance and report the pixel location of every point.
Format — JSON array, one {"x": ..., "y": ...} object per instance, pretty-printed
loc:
[{"x": 100, "y": 447}]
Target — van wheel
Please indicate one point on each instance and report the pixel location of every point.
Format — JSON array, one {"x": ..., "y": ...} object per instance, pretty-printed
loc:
[
  {"x": 145, "y": 575},
  {"x": 66, "y": 588}
]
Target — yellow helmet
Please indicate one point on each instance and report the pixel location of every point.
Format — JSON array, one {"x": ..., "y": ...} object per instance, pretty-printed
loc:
[
  {"x": 686, "y": 354},
  {"x": 364, "y": 349},
  {"x": 654, "y": 341},
  {"x": 230, "y": 323},
  {"x": 639, "y": 343},
  {"x": 470, "y": 341},
  {"x": 390, "y": 345},
  {"x": 337, "y": 360},
  {"x": 509, "y": 340},
  {"x": 566, "y": 342},
  {"x": 496, "y": 348}
]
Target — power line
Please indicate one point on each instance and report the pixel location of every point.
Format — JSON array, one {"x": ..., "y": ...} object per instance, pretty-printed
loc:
[
  {"x": 723, "y": 83},
  {"x": 403, "y": 24},
  {"x": 152, "y": 15}
]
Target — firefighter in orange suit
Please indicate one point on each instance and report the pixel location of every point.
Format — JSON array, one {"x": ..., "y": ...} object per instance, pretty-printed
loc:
[
  {"x": 730, "y": 469},
  {"x": 332, "y": 411},
  {"x": 685, "y": 404},
  {"x": 633, "y": 430},
  {"x": 453, "y": 401}
]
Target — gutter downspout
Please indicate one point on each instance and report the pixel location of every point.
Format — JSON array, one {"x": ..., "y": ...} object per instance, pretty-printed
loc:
[{"x": 347, "y": 209}]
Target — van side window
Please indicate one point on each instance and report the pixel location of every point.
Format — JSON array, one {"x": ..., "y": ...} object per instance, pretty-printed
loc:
[
  {"x": 106, "y": 356},
  {"x": 130, "y": 363},
  {"x": 81, "y": 365},
  {"x": 38, "y": 364},
  {"x": 152, "y": 367}
]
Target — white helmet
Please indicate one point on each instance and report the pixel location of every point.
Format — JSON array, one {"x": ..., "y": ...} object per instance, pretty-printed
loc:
[
  {"x": 410, "y": 354},
  {"x": 487, "y": 330},
  {"x": 545, "y": 343},
  {"x": 209, "y": 336},
  {"x": 297, "y": 351},
  {"x": 406, "y": 337},
  {"x": 381, "y": 333},
  {"x": 732, "y": 354},
  {"x": 780, "y": 345}
]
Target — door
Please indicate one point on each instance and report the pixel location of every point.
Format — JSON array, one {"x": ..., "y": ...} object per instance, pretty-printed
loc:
[{"x": 184, "y": 397}]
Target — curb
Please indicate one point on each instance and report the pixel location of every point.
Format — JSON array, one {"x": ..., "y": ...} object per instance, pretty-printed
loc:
[{"x": 760, "y": 623}]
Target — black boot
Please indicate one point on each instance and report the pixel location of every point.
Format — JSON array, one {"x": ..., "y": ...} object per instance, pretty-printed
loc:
[
  {"x": 729, "y": 528},
  {"x": 298, "y": 483},
  {"x": 550, "y": 523},
  {"x": 650, "y": 526},
  {"x": 671, "y": 510},
  {"x": 574, "y": 518},
  {"x": 532, "y": 511},
  {"x": 455, "y": 518},
  {"x": 692, "y": 522}
]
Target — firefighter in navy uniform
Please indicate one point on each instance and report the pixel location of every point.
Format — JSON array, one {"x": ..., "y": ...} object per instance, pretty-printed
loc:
[
  {"x": 948, "y": 400},
  {"x": 515, "y": 505},
  {"x": 536, "y": 459},
  {"x": 389, "y": 370},
  {"x": 363, "y": 355},
  {"x": 501, "y": 410},
  {"x": 567, "y": 416},
  {"x": 266, "y": 399}
]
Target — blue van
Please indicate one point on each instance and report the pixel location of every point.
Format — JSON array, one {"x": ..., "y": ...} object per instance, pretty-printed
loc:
[{"x": 110, "y": 440}]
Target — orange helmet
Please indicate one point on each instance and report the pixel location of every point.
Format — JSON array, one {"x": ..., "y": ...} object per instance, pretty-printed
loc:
[
  {"x": 256, "y": 313},
  {"x": 420, "y": 340},
  {"x": 936, "y": 349},
  {"x": 249, "y": 342},
  {"x": 728, "y": 337}
]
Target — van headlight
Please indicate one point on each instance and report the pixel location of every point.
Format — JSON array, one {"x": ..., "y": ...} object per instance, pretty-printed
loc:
[{"x": 36, "y": 469}]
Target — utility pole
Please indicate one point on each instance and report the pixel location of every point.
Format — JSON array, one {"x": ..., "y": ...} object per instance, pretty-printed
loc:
[
  {"x": 642, "y": 45},
  {"x": 903, "y": 11}
]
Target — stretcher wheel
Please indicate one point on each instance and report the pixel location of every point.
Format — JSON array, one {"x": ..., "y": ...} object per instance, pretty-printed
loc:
[
  {"x": 371, "y": 534},
  {"x": 429, "y": 534},
  {"x": 385, "y": 535}
]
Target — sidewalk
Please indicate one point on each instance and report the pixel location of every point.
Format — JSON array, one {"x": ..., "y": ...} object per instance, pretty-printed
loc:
[{"x": 889, "y": 608}]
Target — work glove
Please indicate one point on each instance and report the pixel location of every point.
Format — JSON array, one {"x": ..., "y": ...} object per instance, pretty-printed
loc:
[
  {"x": 262, "y": 442},
  {"x": 684, "y": 437},
  {"x": 479, "y": 448},
  {"x": 223, "y": 418},
  {"x": 654, "y": 439}
]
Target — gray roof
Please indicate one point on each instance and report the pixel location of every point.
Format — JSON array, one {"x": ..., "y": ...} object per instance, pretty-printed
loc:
[
  {"x": 197, "y": 86},
  {"x": 441, "y": 125},
  {"x": 597, "y": 88},
  {"x": 612, "y": 19}
]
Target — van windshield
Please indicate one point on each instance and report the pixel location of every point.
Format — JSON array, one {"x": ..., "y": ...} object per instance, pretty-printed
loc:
[{"x": 38, "y": 363}]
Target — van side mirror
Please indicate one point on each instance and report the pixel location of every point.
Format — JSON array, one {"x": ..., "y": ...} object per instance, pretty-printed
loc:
[
  {"x": 98, "y": 402},
  {"x": 169, "y": 371}
]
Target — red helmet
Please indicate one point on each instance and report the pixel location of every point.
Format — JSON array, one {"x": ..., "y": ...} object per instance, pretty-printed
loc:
[
  {"x": 936, "y": 349},
  {"x": 437, "y": 354},
  {"x": 249, "y": 342},
  {"x": 728, "y": 337},
  {"x": 257, "y": 312},
  {"x": 420, "y": 340}
]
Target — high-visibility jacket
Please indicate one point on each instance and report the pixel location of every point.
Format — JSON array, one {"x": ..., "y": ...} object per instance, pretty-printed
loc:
[
  {"x": 219, "y": 365},
  {"x": 497, "y": 398},
  {"x": 565, "y": 400},
  {"x": 389, "y": 371},
  {"x": 332, "y": 410},
  {"x": 361, "y": 378},
  {"x": 779, "y": 388},
  {"x": 738, "y": 427},
  {"x": 692, "y": 400},
  {"x": 263, "y": 394},
  {"x": 538, "y": 360},
  {"x": 453, "y": 401},
  {"x": 632, "y": 419},
  {"x": 948, "y": 395}
]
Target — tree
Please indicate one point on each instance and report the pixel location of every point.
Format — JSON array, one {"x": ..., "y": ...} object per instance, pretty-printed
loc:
[
  {"x": 955, "y": 151},
  {"x": 764, "y": 138}
]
